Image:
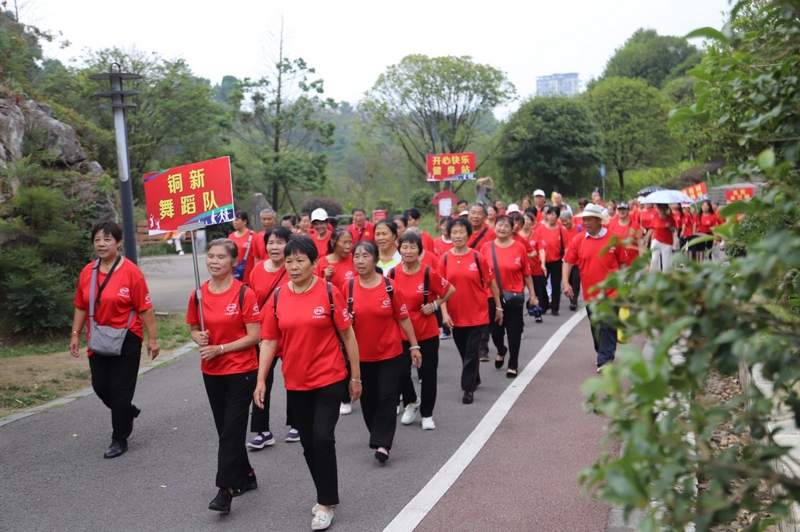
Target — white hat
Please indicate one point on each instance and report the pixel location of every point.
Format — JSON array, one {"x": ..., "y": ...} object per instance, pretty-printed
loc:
[
  {"x": 319, "y": 215},
  {"x": 593, "y": 210},
  {"x": 464, "y": 213},
  {"x": 539, "y": 192},
  {"x": 512, "y": 208}
]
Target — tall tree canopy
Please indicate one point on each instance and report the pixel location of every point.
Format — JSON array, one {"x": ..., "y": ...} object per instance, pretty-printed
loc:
[
  {"x": 546, "y": 144},
  {"x": 277, "y": 121},
  {"x": 632, "y": 117},
  {"x": 435, "y": 105},
  {"x": 654, "y": 58}
]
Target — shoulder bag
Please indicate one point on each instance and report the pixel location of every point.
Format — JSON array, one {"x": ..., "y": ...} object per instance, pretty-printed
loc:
[
  {"x": 510, "y": 299},
  {"x": 105, "y": 340}
]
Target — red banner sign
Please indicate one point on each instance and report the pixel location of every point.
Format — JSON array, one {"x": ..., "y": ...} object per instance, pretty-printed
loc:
[
  {"x": 199, "y": 192},
  {"x": 451, "y": 167},
  {"x": 739, "y": 194},
  {"x": 378, "y": 215},
  {"x": 697, "y": 192}
]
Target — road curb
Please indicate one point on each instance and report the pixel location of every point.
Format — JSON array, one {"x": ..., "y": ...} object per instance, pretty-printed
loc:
[{"x": 61, "y": 401}]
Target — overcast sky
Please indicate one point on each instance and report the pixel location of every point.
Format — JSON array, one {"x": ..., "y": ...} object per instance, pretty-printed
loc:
[{"x": 351, "y": 42}]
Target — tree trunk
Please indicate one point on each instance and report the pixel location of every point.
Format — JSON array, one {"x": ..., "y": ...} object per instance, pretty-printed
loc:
[{"x": 620, "y": 173}]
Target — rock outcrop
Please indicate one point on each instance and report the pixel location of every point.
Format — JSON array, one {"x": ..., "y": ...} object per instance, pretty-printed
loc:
[
  {"x": 60, "y": 138},
  {"x": 12, "y": 132}
]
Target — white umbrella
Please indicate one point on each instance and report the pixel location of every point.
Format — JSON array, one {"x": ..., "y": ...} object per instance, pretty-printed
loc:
[{"x": 663, "y": 197}]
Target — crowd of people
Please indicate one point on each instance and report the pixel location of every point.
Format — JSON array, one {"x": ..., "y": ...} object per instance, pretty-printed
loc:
[{"x": 351, "y": 311}]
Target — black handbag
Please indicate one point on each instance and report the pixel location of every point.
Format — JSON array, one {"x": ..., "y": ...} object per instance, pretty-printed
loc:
[{"x": 510, "y": 299}]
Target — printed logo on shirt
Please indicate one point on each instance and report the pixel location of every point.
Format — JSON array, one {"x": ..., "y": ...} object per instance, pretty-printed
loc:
[
  {"x": 403, "y": 308},
  {"x": 518, "y": 261},
  {"x": 444, "y": 283},
  {"x": 421, "y": 289},
  {"x": 255, "y": 308},
  {"x": 386, "y": 303},
  {"x": 319, "y": 311},
  {"x": 345, "y": 314},
  {"x": 348, "y": 274},
  {"x": 147, "y": 298},
  {"x": 125, "y": 292},
  {"x": 231, "y": 309},
  {"x": 473, "y": 267}
]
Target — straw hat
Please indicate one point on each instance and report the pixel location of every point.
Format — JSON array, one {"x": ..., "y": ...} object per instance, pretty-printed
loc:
[{"x": 593, "y": 210}]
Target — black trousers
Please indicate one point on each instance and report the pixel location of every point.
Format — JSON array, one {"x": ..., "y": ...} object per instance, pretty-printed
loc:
[
  {"x": 315, "y": 414},
  {"x": 380, "y": 382},
  {"x": 554, "y": 274},
  {"x": 114, "y": 382},
  {"x": 427, "y": 374},
  {"x": 512, "y": 324},
  {"x": 540, "y": 288},
  {"x": 230, "y": 397},
  {"x": 259, "y": 419},
  {"x": 575, "y": 283},
  {"x": 468, "y": 341},
  {"x": 605, "y": 339}
]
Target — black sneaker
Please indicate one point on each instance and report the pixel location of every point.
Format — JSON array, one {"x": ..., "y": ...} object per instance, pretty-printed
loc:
[
  {"x": 554, "y": 313},
  {"x": 467, "y": 399},
  {"x": 249, "y": 484},
  {"x": 222, "y": 502}
]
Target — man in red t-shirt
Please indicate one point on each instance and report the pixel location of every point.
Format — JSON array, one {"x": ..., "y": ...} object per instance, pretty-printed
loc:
[
  {"x": 361, "y": 228},
  {"x": 268, "y": 221},
  {"x": 570, "y": 231},
  {"x": 593, "y": 254},
  {"x": 481, "y": 233},
  {"x": 322, "y": 232},
  {"x": 413, "y": 216}
]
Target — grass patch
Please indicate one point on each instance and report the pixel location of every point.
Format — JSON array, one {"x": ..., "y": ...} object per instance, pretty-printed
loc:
[
  {"x": 15, "y": 397},
  {"x": 31, "y": 347},
  {"x": 173, "y": 331}
]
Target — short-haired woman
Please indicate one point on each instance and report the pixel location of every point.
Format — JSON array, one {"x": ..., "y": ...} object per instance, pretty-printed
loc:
[
  {"x": 309, "y": 317},
  {"x": 243, "y": 238},
  {"x": 337, "y": 266},
  {"x": 121, "y": 300},
  {"x": 228, "y": 361}
]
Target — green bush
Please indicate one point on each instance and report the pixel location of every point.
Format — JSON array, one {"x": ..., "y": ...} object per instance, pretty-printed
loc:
[
  {"x": 332, "y": 206},
  {"x": 388, "y": 205},
  {"x": 421, "y": 200},
  {"x": 753, "y": 228}
]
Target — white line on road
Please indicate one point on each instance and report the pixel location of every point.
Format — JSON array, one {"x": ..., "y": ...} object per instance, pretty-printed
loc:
[{"x": 416, "y": 510}]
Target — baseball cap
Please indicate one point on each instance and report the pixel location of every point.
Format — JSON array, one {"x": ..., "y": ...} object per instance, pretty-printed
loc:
[
  {"x": 623, "y": 205},
  {"x": 512, "y": 208},
  {"x": 319, "y": 215},
  {"x": 539, "y": 192}
]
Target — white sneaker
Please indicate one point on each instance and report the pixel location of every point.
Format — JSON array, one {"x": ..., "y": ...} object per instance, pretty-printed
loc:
[
  {"x": 428, "y": 424},
  {"x": 322, "y": 520},
  {"x": 344, "y": 409},
  {"x": 315, "y": 509},
  {"x": 411, "y": 413}
]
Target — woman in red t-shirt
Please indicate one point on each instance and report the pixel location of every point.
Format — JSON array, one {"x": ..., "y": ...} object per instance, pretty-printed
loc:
[
  {"x": 468, "y": 312},
  {"x": 243, "y": 237},
  {"x": 380, "y": 320},
  {"x": 552, "y": 239},
  {"x": 122, "y": 300},
  {"x": 337, "y": 267},
  {"x": 706, "y": 220},
  {"x": 443, "y": 244},
  {"x": 265, "y": 278},
  {"x": 410, "y": 278},
  {"x": 570, "y": 231},
  {"x": 227, "y": 332},
  {"x": 309, "y": 318},
  {"x": 537, "y": 259},
  {"x": 513, "y": 274},
  {"x": 661, "y": 232}
]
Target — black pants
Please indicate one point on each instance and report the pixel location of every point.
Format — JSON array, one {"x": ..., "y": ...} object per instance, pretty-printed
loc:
[
  {"x": 575, "y": 283},
  {"x": 427, "y": 373},
  {"x": 468, "y": 341},
  {"x": 512, "y": 324},
  {"x": 490, "y": 309},
  {"x": 540, "y": 288},
  {"x": 259, "y": 419},
  {"x": 114, "y": 382},
  {"x": 605, "y": 340},
  {"x": 381, "y": 380},
  {"x": 315, "y": 414},
  {"x": 230, "y": 397},
  {"x": 554, "y": 274}
]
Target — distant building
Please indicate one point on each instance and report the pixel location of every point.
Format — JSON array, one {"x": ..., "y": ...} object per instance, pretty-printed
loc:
[{"x": 558, "y": 85}]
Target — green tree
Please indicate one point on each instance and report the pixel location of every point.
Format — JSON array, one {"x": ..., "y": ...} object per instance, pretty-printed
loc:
[
  {"x": 175, "y": 121},
  {"x": 546, "y": 143},
  {"x": 654, "y": 58},
  {"x": 277, "y": 121},
  {"x": 632, "y": 117},
  {"x": 223, "y": 90},
  {"x": 436, "y": 105},
  {"x": 722, "y": 315}
]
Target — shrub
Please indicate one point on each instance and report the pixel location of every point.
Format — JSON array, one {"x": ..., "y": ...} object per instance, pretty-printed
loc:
[
  {"x": 332, "y": 206},
  {"x": 388, "y": 205},
  {"x": 421, "y": 199}
]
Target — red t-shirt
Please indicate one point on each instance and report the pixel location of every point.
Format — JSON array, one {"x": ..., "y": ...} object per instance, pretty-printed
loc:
[
  {"x": 706, "y": 221},
  {"x": 343, "y": 271},
  {"x": 365, "y": 233},
  {"x": 427, "y": 240},
  {"x": 322, "y": 244},
  {"x": 551, "y": 241},
  {"x": 264, "y": 284},
  {"x": 636, "y": 216},
  {"x": 535, "y": 263},
  {"x": 428, "y": 258},
  {"x": 629, "y": 234},
  {"x": 225, "y": 323},
  {"x": 243, "y": 244},
  {"x": 126, "y": 290},
  {"x": 468, "y": 306},
  {"x": 661, "y": 228},
  {"x": 487, "y": 237},
  {"x": 569, "y": 234},
  {"x": 595, "y": 264},
  {"x": 312, "y": 357},
  {"x": 375, "y": 316},
  {"x": 413, "y": 289},
  {"x": 525, "y": 243},
  {"x": 512, "y": 265},
  {"x": 259, "y": 247},
  {"x": 440, "y": 246},
  {"x": 646, "y": 218}
]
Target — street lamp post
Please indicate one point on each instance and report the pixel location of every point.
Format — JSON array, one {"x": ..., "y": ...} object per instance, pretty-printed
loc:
[{"x": 119, "y": 105}]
